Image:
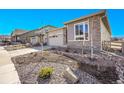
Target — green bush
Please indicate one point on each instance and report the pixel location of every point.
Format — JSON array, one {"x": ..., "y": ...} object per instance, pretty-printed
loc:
[{"x": 45, "y": 72}]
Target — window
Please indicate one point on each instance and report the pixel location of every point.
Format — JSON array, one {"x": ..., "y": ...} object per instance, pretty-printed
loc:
[
  {"x": 81, "y": 31},
  {"x": 76, "y": 28},
  {"x": 86, "y": 31}
]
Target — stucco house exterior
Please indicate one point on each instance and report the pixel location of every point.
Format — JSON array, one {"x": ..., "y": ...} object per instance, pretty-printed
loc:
[
  {"x": 16, "y": 33},
  {"x": 35, "y": 37},
  {"x": 90, "y": 30}
]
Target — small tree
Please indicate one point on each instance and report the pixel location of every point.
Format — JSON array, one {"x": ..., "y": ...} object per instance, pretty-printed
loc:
[
  {"x": 82, "y": 48},
  {"x": 42, "y": 36}
]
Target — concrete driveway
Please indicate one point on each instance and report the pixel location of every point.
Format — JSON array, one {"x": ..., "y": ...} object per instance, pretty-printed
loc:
[
  {"x": 26, "y": 51},
  {"x": 8, "y": 73}
]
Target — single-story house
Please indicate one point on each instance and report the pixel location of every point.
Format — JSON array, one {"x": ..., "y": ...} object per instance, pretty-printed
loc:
[
  {"x": 35, "y": 37},
  {"x": 16, "y": 33},
  {"x": 5, "y": 38},
  {"x": 90, "y": 31}
]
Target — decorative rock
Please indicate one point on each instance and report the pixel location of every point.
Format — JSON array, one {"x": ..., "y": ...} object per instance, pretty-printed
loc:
[
  {"x": 69, "y": 75},
  {"x": 120, "y": 71},
  {"x": 119, "y": 82},
  {"x": 28, "y": 45}
]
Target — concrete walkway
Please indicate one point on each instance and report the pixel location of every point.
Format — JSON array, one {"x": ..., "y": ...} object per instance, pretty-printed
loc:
[
  {"x": 26, "y": 51},
  {"x": 21, "y": 52},
  {"x": 8, "y": 73}
]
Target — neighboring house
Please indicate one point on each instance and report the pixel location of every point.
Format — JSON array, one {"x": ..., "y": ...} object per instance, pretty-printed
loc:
[
  {"x": 5, "y": 38},
  {"x": 16, "y": 33},
  {"x": 36, "y": 36},
  {"x": 91, "y": 30},
  {"x": 57, "y": 37},
  {"x": 88, "y": 31}
]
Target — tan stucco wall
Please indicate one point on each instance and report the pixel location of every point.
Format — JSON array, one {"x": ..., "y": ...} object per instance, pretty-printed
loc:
[
  {"x": 26, "y": 37},
  {"x": 105, "y": 35}
]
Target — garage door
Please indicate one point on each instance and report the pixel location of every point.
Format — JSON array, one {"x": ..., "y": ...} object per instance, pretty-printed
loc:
[
  {"x": 33, "y": 40},
  {"x": 56, "y": 40}
]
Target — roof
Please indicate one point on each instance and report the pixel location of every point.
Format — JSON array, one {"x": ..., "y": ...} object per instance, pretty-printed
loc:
[
  {"x": 39, "y": 29},
  {"x": 43, "y": 27},
  {"x": 57, "y": 29},
  {"x": 18, "y": 32},
  {"x": 106, "y": 23},
  {"x": 102, "y": 12},
  {"x": 48, "y": 26}
]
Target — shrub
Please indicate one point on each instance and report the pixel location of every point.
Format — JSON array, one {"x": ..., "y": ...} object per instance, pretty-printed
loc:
[{"x": 45, "y": 72}]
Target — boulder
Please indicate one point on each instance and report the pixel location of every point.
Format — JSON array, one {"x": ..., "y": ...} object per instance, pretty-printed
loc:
[
  {"x": 119, "y": 82},
  {"x": 28, "y": 45},
  {"x": 70, "y": 76}
]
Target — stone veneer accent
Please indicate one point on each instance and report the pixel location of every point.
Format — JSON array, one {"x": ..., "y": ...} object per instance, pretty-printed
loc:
[{"x": 95, "y": 30}]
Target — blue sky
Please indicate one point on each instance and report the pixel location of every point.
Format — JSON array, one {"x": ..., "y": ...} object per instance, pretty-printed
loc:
[{"x": 33, "y": 19}]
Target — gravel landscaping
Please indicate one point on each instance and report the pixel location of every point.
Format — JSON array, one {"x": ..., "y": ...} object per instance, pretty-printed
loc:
[
  {"x": 102, "y": 67},
  {"x": 28, "y": 67}
]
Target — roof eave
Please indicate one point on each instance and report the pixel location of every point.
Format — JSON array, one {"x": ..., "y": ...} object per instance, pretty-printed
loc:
[
  {"x": 57, "y": 29},
  {"x": 103, "y": 12},
  {"x": 107, "y": 24}
]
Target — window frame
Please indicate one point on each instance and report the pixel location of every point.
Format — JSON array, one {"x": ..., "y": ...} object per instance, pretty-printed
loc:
[{"x": 75, "y": 36}]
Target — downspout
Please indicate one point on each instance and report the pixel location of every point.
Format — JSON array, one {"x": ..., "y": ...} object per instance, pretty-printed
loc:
[{"x": 92, "y": 38}]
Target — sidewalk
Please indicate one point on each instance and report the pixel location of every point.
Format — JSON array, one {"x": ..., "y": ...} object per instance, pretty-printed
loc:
[
  {"x": 8, "y": 74},
  {"x": 21, "y": 52}
]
